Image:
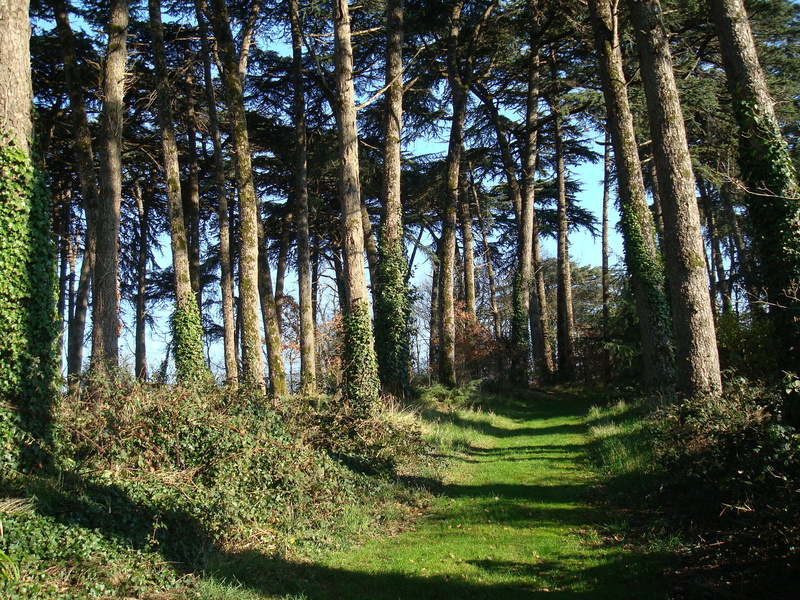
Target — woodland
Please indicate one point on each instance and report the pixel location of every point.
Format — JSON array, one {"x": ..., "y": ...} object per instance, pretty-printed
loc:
[{"x": 270, "y": 271}]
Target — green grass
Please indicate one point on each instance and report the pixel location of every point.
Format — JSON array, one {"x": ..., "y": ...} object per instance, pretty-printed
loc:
[{"x": 512, "y": 521}]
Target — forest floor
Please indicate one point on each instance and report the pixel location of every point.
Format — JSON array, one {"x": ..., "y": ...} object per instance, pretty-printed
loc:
[{"x": 514, "y": 518}]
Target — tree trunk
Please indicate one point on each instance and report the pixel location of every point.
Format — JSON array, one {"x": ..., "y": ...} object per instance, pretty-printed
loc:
[
  {"x": 308, "y": 359},
  {"x": 88, "y": 187},
  {"x": 191, "y": 196},
  {"x": 16, "y": 96},
  {"x": 105, "y": 294},
  {"x": 641, "y": 255},
  {"x": 489, "y": 267},
  {"x": 252, "y": 361},
  {"x": 695, "y": 338},
  {"x": 370, "y": 247},
  {"x": 280, "y": 267},
  {"x": 604, "y": 266},
  {"x": 721, "y": 284},
  {"x": 187, "y": 329},
  {"x": 225, "y": 257},
  {"x": 269, "y": 315},
  {"x": 77, "y": 324},
  {"x": 565, "y": 335},
  {"x": 540, "y": 332},
  {"x": 361, "y": 368},
  {"x": 61, "y": 224},
  {"x": 140, "y": 352},
  {"x": 465, "y": 220},
  {"x": 436, "y": 312},
  {"x": 773, "y": 202},
  {"x": 392, "y": 302},
  {"x": 447, "y": 323},
  {"x": 28, "y": 329},
  {"x": 523, "y": 214}
]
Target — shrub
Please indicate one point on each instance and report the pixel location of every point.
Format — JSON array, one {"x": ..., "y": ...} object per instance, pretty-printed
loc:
[{"x": 732, "y": 447}]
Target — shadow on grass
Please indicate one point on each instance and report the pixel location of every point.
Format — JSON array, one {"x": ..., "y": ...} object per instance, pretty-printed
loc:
[
  {"x": 482, "y": 426},
  {"x": 620, "y": 577}
]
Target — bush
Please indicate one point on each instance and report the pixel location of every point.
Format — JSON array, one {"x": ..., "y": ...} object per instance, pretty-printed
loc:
[
  {"x": 746, "y": 345},
  {"x": 732, "y": 447}
]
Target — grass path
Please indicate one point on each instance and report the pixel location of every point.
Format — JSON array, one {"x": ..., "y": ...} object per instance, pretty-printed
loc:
[{"x": 511, "y": 523}]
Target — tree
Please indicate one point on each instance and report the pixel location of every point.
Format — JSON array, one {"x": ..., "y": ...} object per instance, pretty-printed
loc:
[
  {"x": 225, "y": 255},
  {"x": 88, "y": 188},
  {"x": 27, "y": 259},
  {"x": 361, "y": 369},
  {"x": 565, "y": 325},
  {"x": 308, "y": 360},
  {"x": 252, "y": 362},
  {"x": 773, "y": 194},
  {"x": 641, "y": 256},
  {"x": 696, "y": 352},
  {"x": 186, "y": 325},
  {"x": 458, "y": 92},
  {"x": 105, "y": 303},
  {"x": 537, "y": 306},
  {"x": 392, "y": 306}
]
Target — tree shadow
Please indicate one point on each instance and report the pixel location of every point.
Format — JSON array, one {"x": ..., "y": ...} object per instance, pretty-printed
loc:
[
  {"x": 483, "y": 426},
  {"x": 140, "y": 523},
  {"x": 620, "y": 576}
]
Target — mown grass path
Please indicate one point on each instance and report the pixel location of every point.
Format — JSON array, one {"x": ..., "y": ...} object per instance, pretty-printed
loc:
[{"x": 512, "y": 522}]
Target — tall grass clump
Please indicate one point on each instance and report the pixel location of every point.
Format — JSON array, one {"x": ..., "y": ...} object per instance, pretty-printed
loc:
[
  {"x": 451, "y": 417},
  {"x": 622, "y": 446}
]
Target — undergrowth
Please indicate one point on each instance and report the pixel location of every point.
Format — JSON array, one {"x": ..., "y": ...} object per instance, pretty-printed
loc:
[
  {"x": 722, "y": 475},
  {"x": 152, "y": 484}
]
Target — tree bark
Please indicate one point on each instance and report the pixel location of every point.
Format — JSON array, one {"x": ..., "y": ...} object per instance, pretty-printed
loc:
[
  {"x": 252, "y": 361},
  {"x": 436, "y": 312},
  {"x": 191, "y": 195},
  {"x": 695, "y": 338},
  {"x": 187, "y": 329},
  {"x": 88, "y": 188},
  {"x": 77, "y": 324},
  {"x": 105, "y": 296},
  {"x": 447, "y": 323},
  {"x": 604, "y": 268},
  {"x": 641, "y": 255},
  {"x": 269, "y": 315},
  {"x": 773, "y": 203},
  {"x": 361, "y": 369},
  {"x": 565, "y": 335},
  {"x": 465, "y": 220},
  {"x": 28, "y": 328},
  {"x": 140, "y": 351},
  {"x": 225, "y": 255},
  {"x": 280, "y": 267},
  {"x": 543, "y": 365},
  {"x": 392, "y": 303},
  {"x": 16, "y": 95},
  {"x": 721, "y": 284},
  {"x": 308, "y": 359}
]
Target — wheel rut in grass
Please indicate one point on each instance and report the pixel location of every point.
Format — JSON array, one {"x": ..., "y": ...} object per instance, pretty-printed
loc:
[{"x": 512, "y": 522}]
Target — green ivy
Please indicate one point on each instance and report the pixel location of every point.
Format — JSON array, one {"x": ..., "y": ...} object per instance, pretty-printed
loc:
[
  {"x": 187, "y": 332},
  {"x": 392, "y": 312},
  {"x": 773, "y": 207},
  {"x": 28, "y": 360},
  {"x": 520, "y": 331},
  {"x": 362, "y": 385}
]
